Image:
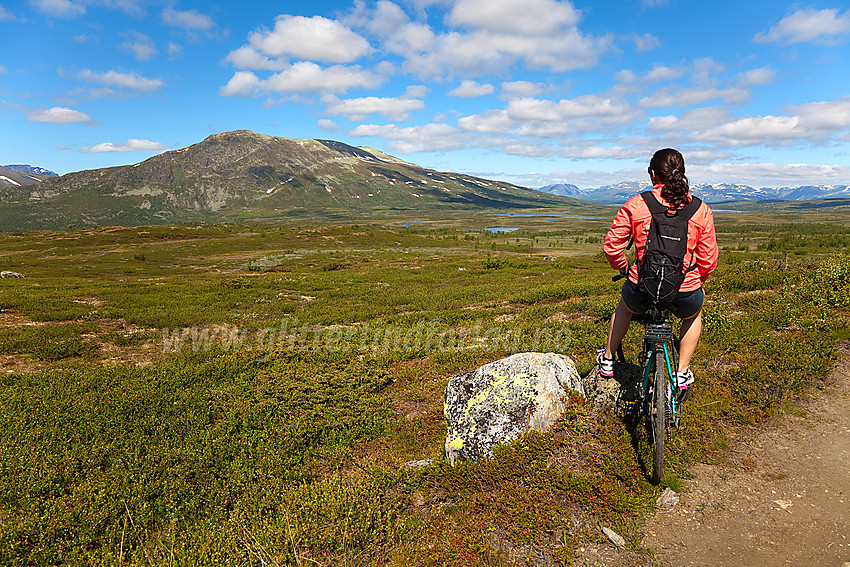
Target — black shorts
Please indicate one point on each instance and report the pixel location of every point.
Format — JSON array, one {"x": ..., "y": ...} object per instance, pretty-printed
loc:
[{"x": 685, "y": 306}]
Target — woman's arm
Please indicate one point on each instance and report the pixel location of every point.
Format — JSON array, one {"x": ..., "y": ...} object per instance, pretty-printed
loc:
[
  {"x": 706, "y": 248},
  {"x": 617, "y": 239}
]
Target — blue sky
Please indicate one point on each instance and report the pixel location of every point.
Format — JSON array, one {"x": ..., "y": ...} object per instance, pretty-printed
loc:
[{"x": 528, "y": 91}]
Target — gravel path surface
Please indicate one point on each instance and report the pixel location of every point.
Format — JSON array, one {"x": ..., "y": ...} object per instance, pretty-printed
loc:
[{"x": 784, "y": 501}]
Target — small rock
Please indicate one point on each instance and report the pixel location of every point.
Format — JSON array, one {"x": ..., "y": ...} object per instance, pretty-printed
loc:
[
  {"x": 6, "y": 275},
  {"x": 667, "y": 498},
  {"x": 416, "y": 464},
  {"x": 549, "y": 259},
  {"x": 784, "y": 504},
  {"x": 615, "y": 538}
]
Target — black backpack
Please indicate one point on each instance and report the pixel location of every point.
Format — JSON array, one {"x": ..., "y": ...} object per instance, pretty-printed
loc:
[{"x": 660, "y": 271}]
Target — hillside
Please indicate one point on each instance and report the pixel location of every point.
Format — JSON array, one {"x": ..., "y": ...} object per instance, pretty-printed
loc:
[{"x": 241, "y": 176}]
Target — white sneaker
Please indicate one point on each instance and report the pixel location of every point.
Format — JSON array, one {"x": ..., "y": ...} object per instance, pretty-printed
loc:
[
  {"x": 606, "y": 365},
  {"x": 684, "y": 379},
  {"x": 684, "y": 382}
]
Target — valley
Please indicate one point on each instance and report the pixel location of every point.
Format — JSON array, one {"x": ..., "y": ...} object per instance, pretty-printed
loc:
[{"x": 123, "y": 446}]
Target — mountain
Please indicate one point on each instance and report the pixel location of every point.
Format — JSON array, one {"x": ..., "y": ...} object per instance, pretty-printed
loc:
[
  {"x": 23, "y": 168},
  {"x": 619, "y": 193},
  {"x": 564, "y": 189},
  {"x": 12, "y": 178},
  {"x": 240, "y": 176}
]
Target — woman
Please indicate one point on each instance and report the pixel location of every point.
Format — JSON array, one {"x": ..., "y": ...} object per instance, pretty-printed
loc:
[{"x": 670, "y": 188}]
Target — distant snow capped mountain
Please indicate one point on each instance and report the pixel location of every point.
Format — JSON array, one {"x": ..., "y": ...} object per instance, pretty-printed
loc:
[
  {"x": 619, "y": 193},
  {"x": 565, "y": 190},
  {"x": 12, "y": 179},
  {"x": 718, "y": 193},
  {"x": 23, "y": 168}
]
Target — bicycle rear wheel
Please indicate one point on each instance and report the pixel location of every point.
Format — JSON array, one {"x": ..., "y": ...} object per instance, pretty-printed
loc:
[{"x": 658, "y": 413}]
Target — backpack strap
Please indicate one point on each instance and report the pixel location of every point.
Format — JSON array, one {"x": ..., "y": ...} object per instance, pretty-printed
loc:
[
  {"x": 657, "y": 208},
  {"x": 652, "y": 203}
]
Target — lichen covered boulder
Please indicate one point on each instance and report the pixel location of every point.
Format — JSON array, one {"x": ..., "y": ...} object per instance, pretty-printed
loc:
[{"x": 504, "y": 399}]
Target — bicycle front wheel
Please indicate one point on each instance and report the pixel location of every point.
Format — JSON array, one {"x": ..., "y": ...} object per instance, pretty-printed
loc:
[{"x": 659, "y": 416}]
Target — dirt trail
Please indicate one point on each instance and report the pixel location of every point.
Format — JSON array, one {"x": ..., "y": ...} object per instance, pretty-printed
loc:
[{"x": 784, "y": 501}]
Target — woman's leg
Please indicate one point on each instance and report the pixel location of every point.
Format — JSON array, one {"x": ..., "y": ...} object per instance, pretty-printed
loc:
[
  {"x": 688, "y": 339},
  {"x": 618, "y": 329}
]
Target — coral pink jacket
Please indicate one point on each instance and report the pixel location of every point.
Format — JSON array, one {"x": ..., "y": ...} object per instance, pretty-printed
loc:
[{"x": 633, "y": 219}]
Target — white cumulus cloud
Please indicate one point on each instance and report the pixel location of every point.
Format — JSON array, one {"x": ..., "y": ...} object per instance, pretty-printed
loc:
[
  {"x": 131, "y": 145},
  {"x": 315, "y": 39},
  {"x": 675, "y": 97},
  {"x": 247, "y": 57},
  {"x": 542, "y": 118},
  {"x": 427, "y": 138},
  {"x": 597, "y": 107},
  {"x": 307, "y": 77},
  {"x": 756, "y": 77},
  {"x": 699, "y": 119},
  {"x": 661, "y": 73},
  {"x": 58, "y": 115},
  {"x": 60, "y": 8},
  {"x": 327, "y": 125},
  {"x": 482, "y": 52},
  {"x": 471, "y": 89},
  {"x": 130, "y": 81},
  {"x": 645, "y": 42},
  {"x": 302, "y": 77},
  {"x": 187, "y": 19},
  {"x": 814, "y": 122},
  {"x": 243, "y": 83},
  {"x": 772, "y": 174},
  {"x": 140, "y": 45},
  {"x": 809, "y": 25},
  {"x": 394, "y": 29},
  {"x": 488, "y": 122},
  {"x": 393, "y": 108},
  {"x": 527, "y": 17},
  {"x": 521, "y": 88}
]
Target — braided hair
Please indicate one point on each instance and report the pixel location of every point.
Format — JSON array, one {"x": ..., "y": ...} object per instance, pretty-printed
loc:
[{"x": 669, "y": 168}]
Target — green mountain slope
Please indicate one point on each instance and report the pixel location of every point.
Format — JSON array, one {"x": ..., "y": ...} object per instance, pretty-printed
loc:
[{"x": 244, "y": 176}]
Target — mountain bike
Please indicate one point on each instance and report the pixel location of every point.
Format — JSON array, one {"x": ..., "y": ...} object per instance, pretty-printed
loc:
[{"x": 656, "y": 399}]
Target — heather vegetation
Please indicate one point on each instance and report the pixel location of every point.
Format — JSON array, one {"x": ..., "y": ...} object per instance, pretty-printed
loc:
[{"x": 238, "y": 395}]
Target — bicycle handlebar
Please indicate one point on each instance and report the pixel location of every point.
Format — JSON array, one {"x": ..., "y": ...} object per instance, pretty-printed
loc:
[{"x": 618, "y": 277}]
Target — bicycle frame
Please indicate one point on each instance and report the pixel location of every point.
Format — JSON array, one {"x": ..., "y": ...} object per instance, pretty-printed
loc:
[{"x": 658, "y": 337}]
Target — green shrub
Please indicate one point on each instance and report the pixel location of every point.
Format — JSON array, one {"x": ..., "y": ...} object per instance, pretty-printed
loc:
[
  {"x": 828, "y": 285},
  {"x": 49, "y": 342},
  {"x": 67, "y": 348},
  {"x": 94, "y": 453}
]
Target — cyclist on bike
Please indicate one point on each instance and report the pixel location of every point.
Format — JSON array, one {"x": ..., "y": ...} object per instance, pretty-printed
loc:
[{"x": 670, "y": 188}]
